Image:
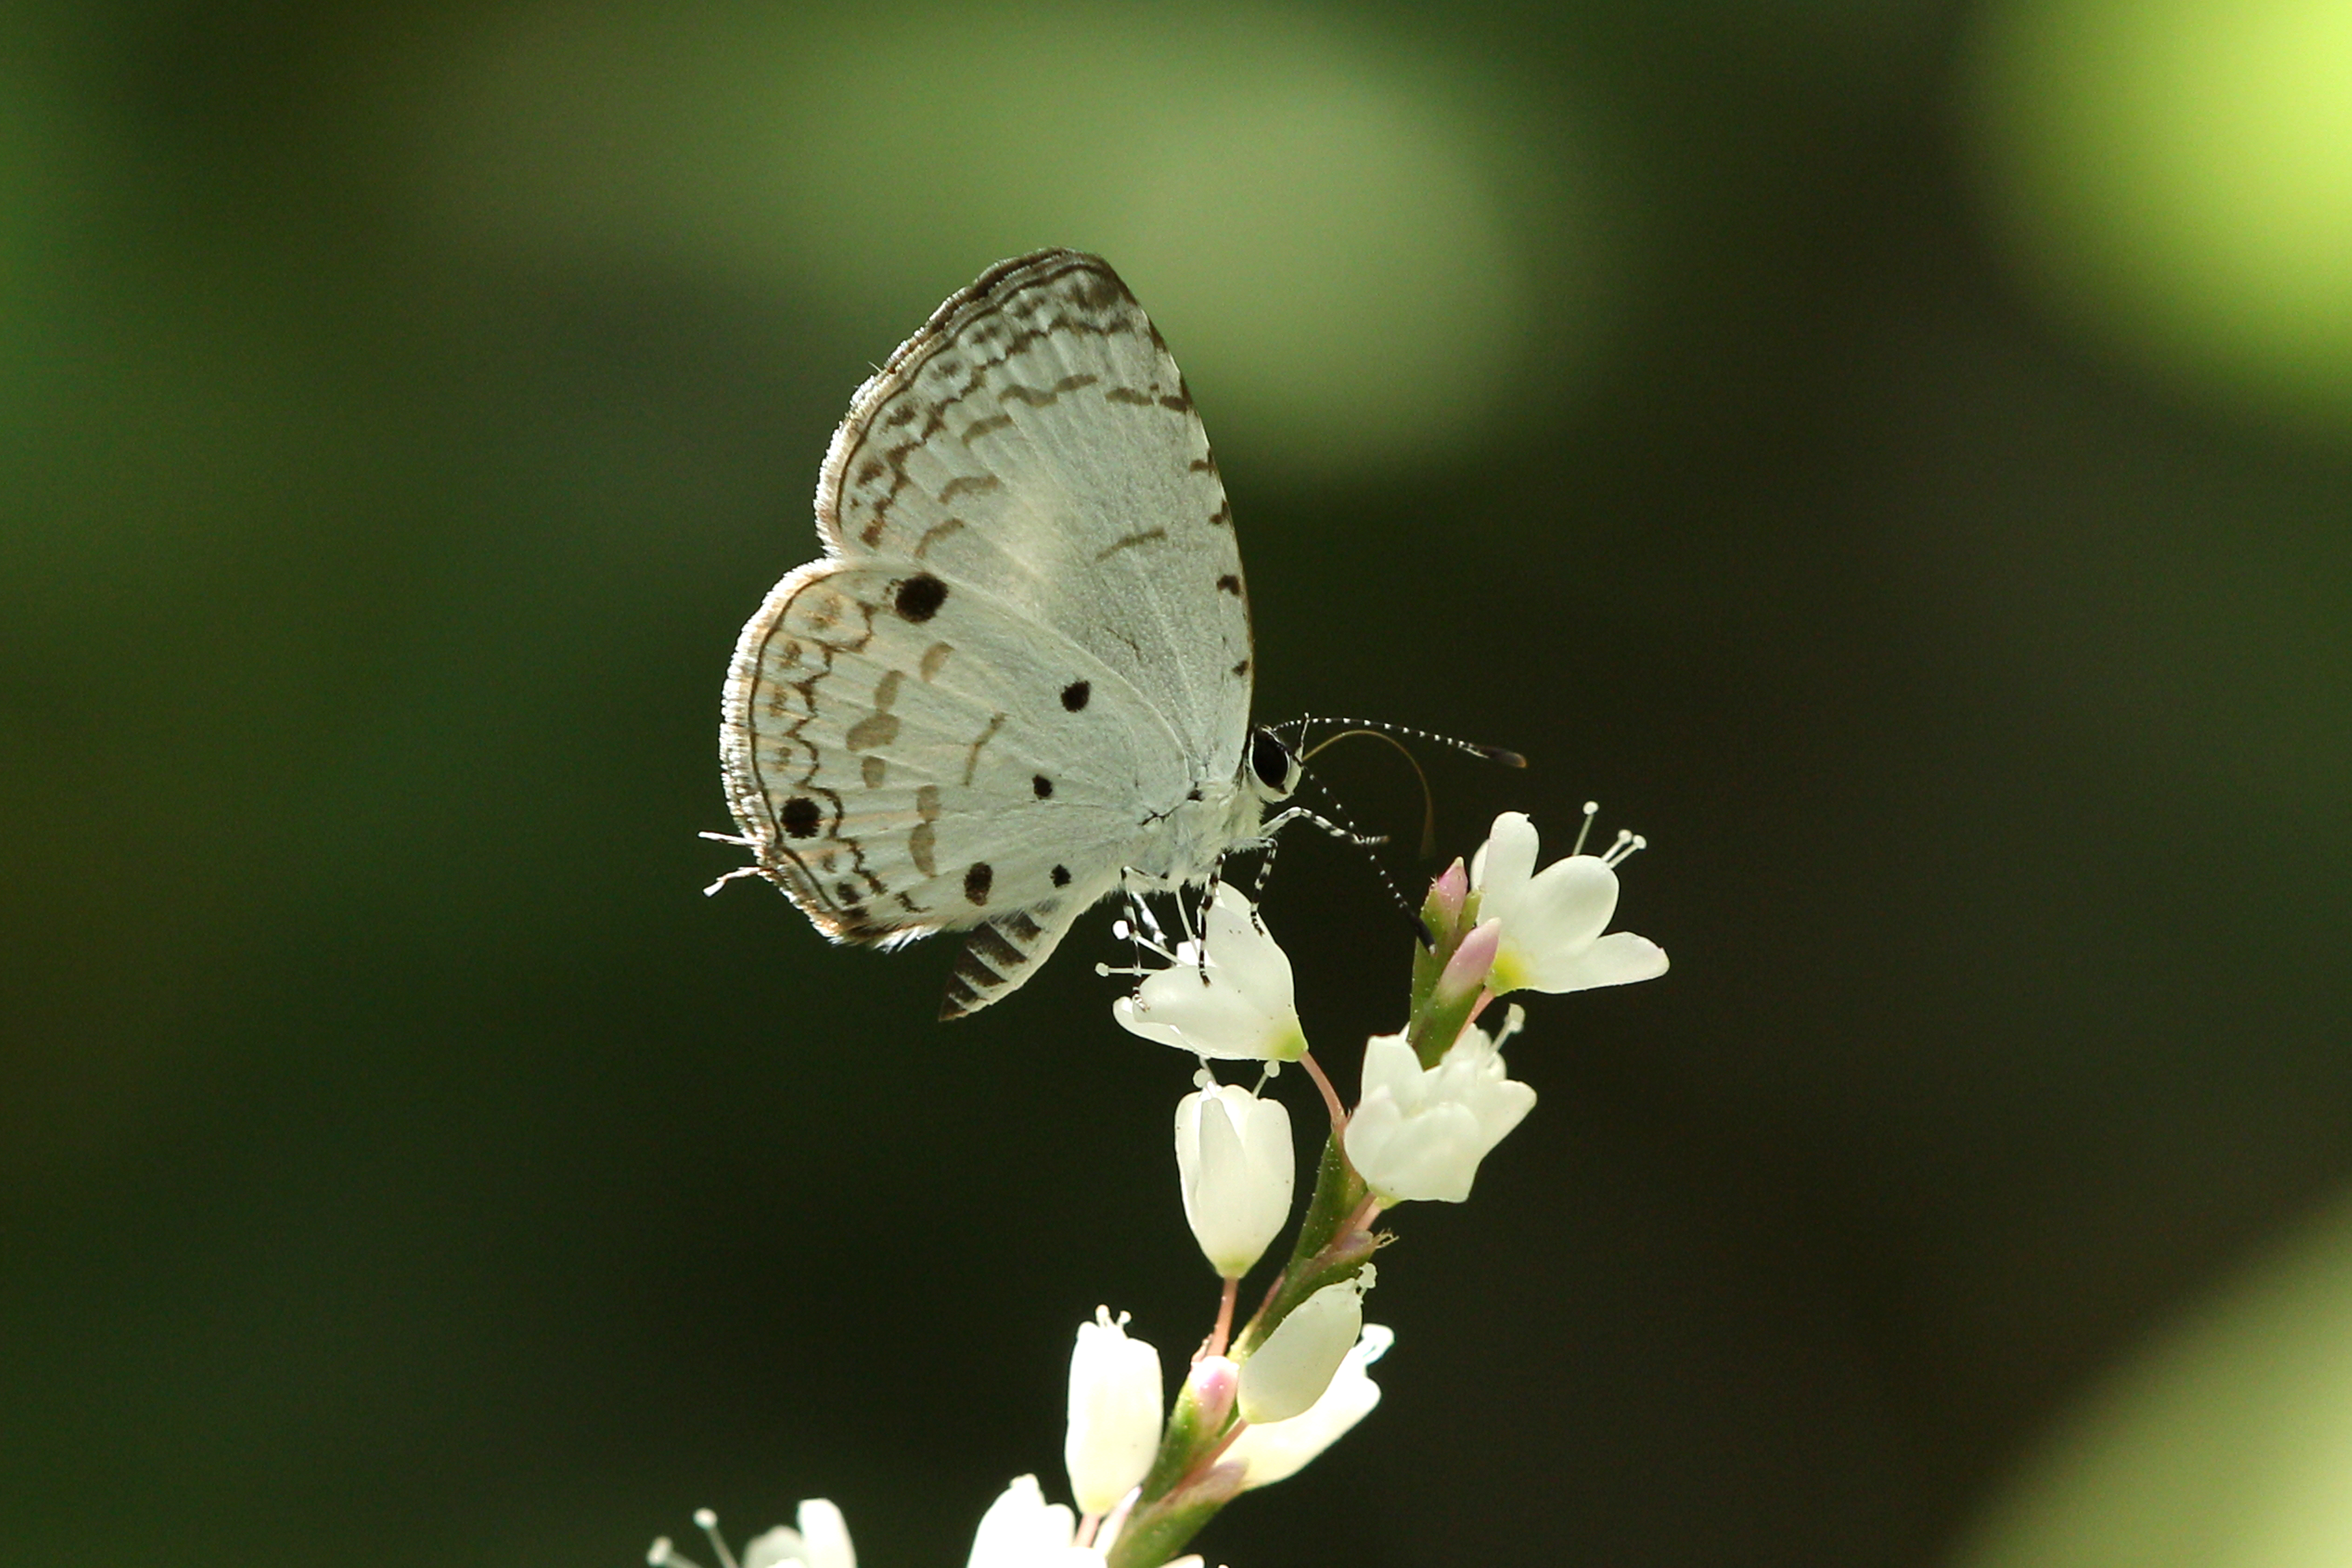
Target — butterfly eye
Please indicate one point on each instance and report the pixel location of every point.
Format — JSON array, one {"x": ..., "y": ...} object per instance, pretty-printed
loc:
[{"x": 1271, "y": 761}]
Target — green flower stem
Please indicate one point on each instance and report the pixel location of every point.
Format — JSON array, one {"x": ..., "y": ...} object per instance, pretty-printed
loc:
[
  {"x": 1157, "y": 1530},
  {"x": 1438, "y": 1025},
  {"x": 1188, "y": 1439},
  {"x": 1323, "y": 1255},
  {"x": 1186, "y": 1486}
]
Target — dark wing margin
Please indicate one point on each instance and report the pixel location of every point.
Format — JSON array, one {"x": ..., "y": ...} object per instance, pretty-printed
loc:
[{"x": 1102, "y": 290}]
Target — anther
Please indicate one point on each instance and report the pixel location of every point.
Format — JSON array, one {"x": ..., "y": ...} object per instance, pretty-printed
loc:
[{"x": 1591, "y": 810}]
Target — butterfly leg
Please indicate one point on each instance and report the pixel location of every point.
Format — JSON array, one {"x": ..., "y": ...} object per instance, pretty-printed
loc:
[
  {"x": 1347, "y": 835},
  {"x": 1300, "y": 814},
  {"x": 1264, "y": 868}
]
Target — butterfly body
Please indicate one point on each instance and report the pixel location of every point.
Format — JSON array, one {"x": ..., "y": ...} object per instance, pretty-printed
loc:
[{"x": 1021, "y": 672}]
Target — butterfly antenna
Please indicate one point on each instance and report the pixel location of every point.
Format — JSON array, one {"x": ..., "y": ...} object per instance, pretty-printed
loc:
[
  {"x": 1502, "y": 754},
  {"x": 1428, "y": 799},
  {"x": 1339, "y": 826}
]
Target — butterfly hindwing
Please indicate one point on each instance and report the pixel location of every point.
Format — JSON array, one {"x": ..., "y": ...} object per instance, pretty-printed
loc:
[{"x": 907, "y": 755}]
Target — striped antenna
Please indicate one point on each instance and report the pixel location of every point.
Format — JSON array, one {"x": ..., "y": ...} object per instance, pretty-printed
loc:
[
  {"x": 1502, "y": 754},
  {"x": 1338, "y": 826}
]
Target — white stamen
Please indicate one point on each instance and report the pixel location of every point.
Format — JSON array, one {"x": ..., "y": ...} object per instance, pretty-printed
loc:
[
  {"x": 1514, "y": 1020},
  {"x": 1627, "y": 845},
  {"x": 707, "y": 1519},
  {"x": 1591, "y": 810},
  {"x": 661, "y": 1555}
]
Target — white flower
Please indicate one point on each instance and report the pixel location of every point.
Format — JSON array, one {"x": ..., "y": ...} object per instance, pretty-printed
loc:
[
  {"x": 1286, "y": 1376},
  {"x": 1115, "y": 1405},
  {"x": 1234, "y": 1001},
  {"x": 821, "y": 1541},
  {"x": 1022, "y": 1530},
  {"x": 1234, "y": 1158},
  {"x": 1419, "y": 1135},
  {"x": 1279, "y": 1449},
  {"x": 1552, "y": 919}
]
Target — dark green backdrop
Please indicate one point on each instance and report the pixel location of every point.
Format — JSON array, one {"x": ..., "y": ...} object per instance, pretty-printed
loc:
[{"x": 401, "y": 1164}]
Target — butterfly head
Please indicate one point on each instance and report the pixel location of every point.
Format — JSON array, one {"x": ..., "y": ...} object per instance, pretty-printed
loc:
[{"x": 1273, "y": 769}]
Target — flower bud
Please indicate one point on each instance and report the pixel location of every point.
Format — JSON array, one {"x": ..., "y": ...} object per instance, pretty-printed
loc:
[
  {"x": 1441, "y": 911},
  {"x": 1115, "y": 1408},
  {"x": 1290, "y": 1373},
  {"x": 1211, "y": 1383},
  {"x": 1466, "y": 972},
  {"x": 1234, "y": 1158}
]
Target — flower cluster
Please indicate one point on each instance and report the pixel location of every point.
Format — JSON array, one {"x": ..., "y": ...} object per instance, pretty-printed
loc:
[
  {"x": 1437, "y": 1097},
  {"x": 1261, "y": 1401}
]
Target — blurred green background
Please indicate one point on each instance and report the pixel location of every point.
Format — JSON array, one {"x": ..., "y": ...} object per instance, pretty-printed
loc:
[{"x": 1897, "y": 456}]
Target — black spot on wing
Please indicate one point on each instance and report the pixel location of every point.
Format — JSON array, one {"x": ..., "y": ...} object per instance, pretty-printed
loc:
[
  {"x": 802, "y": 816},
  {"x": 1061, "y": 876},
  {"x": 978, "y": 881},
  {"x": 920, "y": 597},
  {"x": 1074, "y": 695},
  {"x": 1042, "y": 786}
]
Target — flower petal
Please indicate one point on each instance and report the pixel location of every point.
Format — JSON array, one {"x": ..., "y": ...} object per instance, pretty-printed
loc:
[
  {"x": 1431, "y": 1155},
  {"x": 1503, "y": 863},
  {"x": 1556, "y": 918},
  {"x": 1202, "y": 1012},
  {"x": 826, "y": 1535},
  {"x": 1132, "y": 1019},
  {"x": 1277, "y": 1450},
  {"x": 1618, "y": 959},
  {"x": 1022, "y": 1530},
  {"x": 1389, "y": 1063}
]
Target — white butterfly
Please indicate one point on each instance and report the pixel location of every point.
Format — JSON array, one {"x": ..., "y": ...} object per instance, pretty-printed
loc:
[{"x": 1021, "y": 672}]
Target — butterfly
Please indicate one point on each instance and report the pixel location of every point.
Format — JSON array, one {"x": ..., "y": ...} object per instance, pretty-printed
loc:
[{"x": 1018, "y": 679}]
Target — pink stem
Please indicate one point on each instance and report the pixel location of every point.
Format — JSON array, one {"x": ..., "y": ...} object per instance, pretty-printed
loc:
[
  {"x": 1219, "y": 1336},
  {"x": 1330, "y": 1096}
]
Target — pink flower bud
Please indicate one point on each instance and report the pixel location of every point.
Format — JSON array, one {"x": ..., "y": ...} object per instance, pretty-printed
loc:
[
  {"x": 1466, "y": 972},
  {"x": 1212, "y": 1383},
  {"x": 1447, "y": 895}
]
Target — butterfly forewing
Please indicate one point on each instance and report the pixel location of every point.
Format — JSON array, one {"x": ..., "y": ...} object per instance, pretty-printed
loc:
[{"x": 1036, "y": 437}]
